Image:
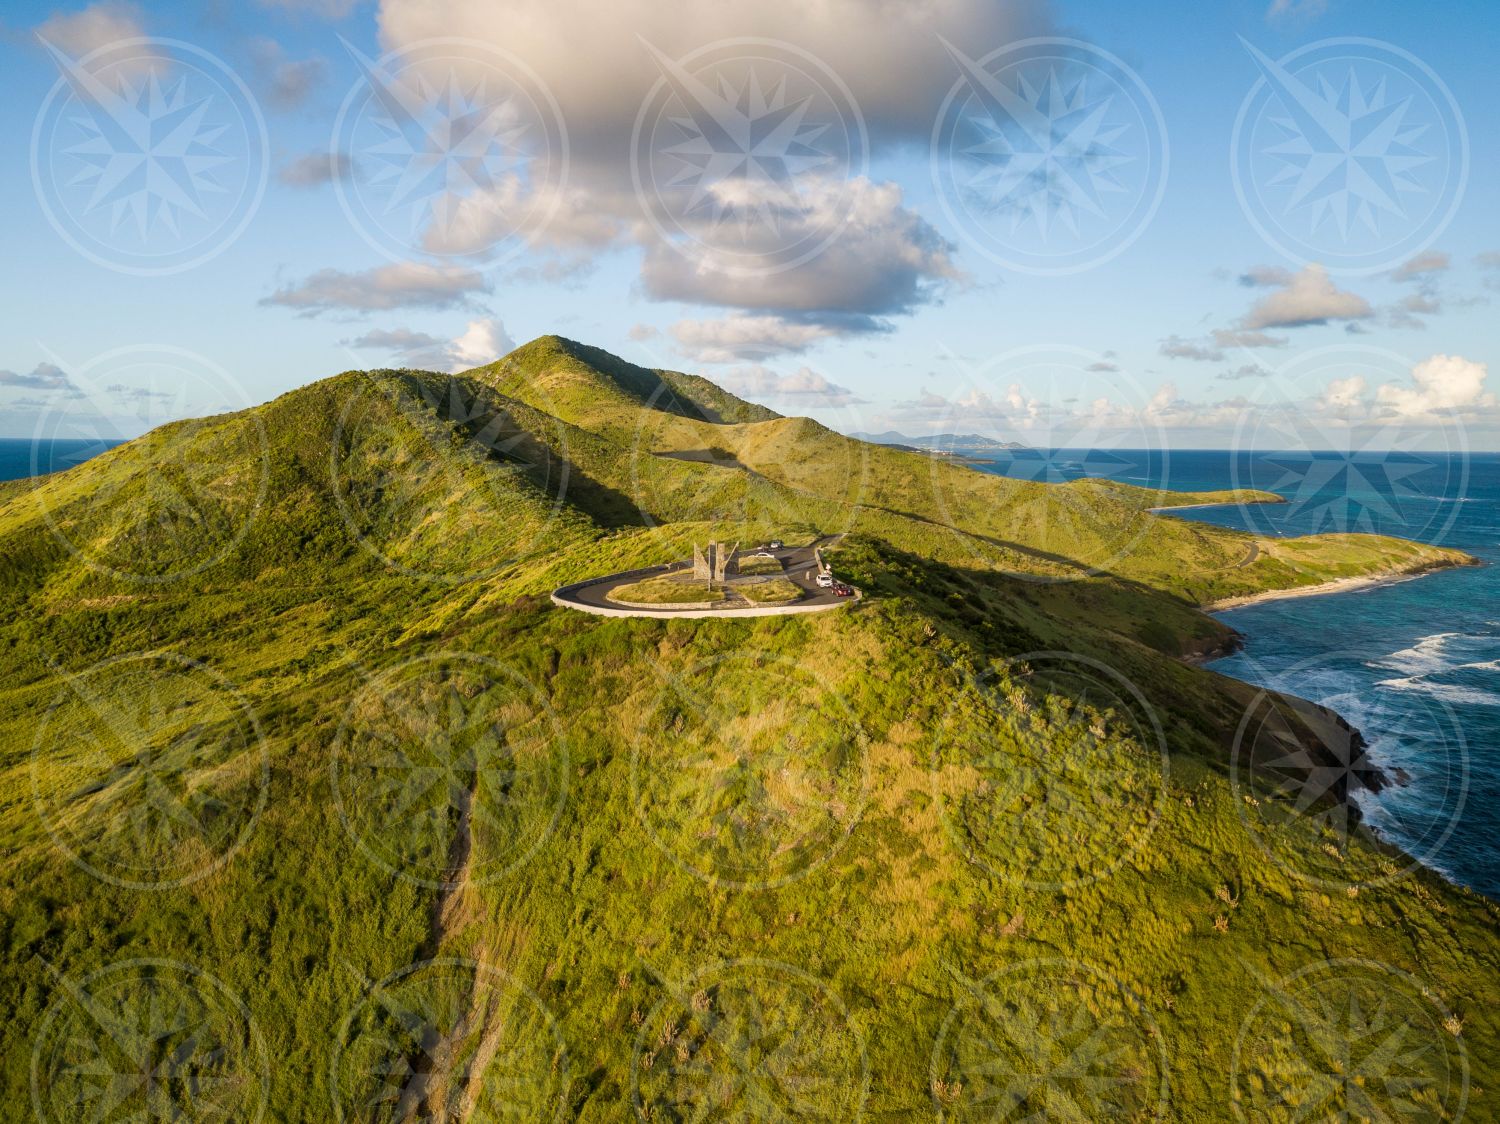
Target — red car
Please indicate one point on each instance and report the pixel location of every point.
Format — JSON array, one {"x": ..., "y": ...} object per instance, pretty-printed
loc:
[{"x": 843, "y": 590}]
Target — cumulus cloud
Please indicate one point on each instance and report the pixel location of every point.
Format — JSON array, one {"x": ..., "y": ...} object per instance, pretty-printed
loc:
[
  {"x": 740, "y": 337},
  {"x": 1423, "y": 265},
  {"x": 314, "y": 169},
  {"x": 887, "y": 53},
  {"x": 402, "y": 285},
  {"x": 805, "y": 387},
  {"x": 482, "y": 341},
  {"x": 885, "y": 259},
  {"x": 1441, "y": 385},
  {"x": 1306, "y": 297},
  {"x": 881, "y": 259}
]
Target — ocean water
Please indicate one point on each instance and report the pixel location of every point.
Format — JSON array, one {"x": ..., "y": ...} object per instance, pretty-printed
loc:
[
  {"x": 21, "y": 456},
  {"x": 1413, "y": 664}
]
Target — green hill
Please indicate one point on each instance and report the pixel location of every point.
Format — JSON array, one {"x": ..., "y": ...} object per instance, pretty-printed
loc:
[{"x": 300, "y": 763}]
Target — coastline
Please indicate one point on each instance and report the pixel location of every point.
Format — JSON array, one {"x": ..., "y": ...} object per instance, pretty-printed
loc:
[
  {"x": 1337, "y": 585},
  {"x": 1216, "y": 503}
]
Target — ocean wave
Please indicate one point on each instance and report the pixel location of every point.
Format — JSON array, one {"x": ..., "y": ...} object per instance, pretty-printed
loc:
[
  {"x": 1423, "y": 657},
  {"x": 1445, "y": 692}
]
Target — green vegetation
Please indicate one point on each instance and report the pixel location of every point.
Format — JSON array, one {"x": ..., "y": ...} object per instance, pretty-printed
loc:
[
  {"x": 773, "y": 592},
  {"x": 802, "y": 844},
  {"x": 675, "y": 590},
  {"x": 751, "y": 565}
]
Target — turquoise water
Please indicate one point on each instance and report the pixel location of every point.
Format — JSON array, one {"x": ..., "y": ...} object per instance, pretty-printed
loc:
[{"x": 1414, "y": 664}]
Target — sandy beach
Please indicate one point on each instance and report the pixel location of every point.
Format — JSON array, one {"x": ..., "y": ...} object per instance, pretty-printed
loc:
[{"x": 1338, "y": 585}]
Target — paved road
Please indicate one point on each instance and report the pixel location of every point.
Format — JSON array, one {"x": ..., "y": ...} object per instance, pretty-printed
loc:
[{"x": 799, "y": 564}]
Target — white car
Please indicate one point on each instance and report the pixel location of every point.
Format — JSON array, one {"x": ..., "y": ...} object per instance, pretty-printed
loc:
[
  {"x": 775, "y": 544},
  {"x": 764, "y": 554},
  {"x": 825, "y": 581}
]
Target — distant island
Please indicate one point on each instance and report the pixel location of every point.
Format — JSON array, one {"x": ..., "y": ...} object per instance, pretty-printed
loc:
[{"x": 941, "y": 442}]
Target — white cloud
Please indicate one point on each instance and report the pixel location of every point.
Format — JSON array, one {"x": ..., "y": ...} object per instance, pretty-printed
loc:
[
  {"x": 482, "y": 341},
  {"x": 805, "y": 387},
  {"x": 1306, "y": 297},
  {"x": 1343, "y": 396},
  {"x": 884, "y": 259},
  {"x": 1441, "y": 385},
  {"x": 741, "y": 336},
  {"x": 886, "y": 51},
  {"x": 402, "y": 285}
]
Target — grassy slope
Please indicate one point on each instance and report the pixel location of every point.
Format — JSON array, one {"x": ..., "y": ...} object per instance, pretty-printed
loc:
[
  {"x": 1011, "y": 525},
  {"x": 935, "y": 884}
]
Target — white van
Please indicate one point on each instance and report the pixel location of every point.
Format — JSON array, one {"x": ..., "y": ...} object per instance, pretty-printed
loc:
[{"x": 825, "y": 581}]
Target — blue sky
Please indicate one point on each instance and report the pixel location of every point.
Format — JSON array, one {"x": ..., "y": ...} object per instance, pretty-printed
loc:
[{"x": 922, "y": 273}]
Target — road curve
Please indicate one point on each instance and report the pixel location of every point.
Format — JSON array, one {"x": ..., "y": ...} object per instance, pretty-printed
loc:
[{"x": 799, "y": 564}]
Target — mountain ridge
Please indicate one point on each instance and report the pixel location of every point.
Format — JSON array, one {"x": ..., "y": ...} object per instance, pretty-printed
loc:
[{"x": 998, "y": 758}]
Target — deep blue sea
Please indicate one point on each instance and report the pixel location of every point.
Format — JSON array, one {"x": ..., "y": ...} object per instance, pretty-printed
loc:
[
  {"x": 1414, "y": 664},
  {"x": 21, "y": 456}
]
